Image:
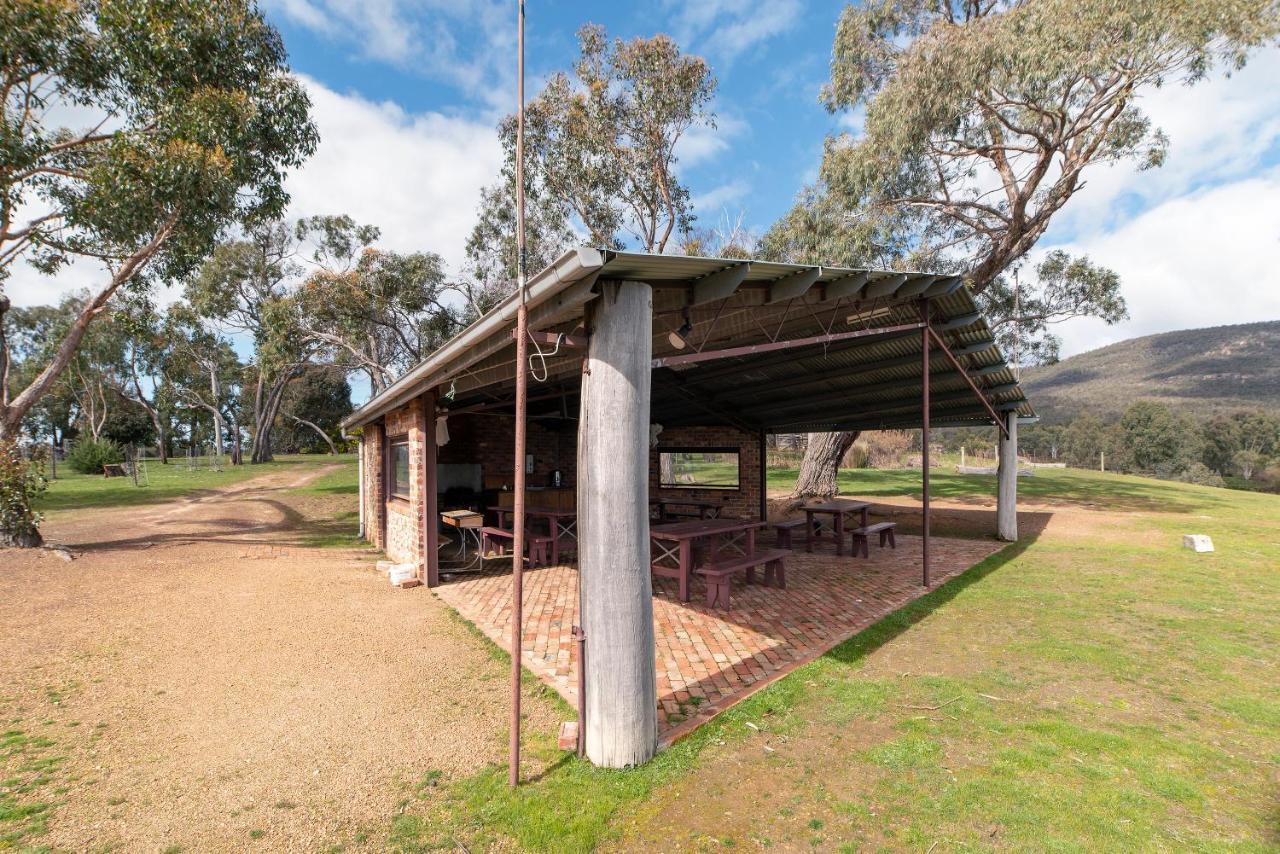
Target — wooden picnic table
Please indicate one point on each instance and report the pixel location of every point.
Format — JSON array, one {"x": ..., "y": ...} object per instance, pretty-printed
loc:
[
  {"x": 837, "y": 509},
  {"x": 673, "y": 545},
  {"x": 560, "y": 523},
  {"x": 706, "y": 510}
]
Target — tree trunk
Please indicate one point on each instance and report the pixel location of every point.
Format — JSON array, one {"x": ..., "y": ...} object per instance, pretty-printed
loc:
[
  {"x": 13, "y": 411},
  {"x": 333, "y": 450},
  {"x": 820, "y": 468},
  {"x": 270, "y": 408},
  {"x": 613, "y": 521}
]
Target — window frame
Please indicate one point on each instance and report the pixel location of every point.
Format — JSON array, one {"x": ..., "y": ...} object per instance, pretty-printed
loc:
[
  {"x": 392, "y": 485},
  {"x": 686, "y": 449}
]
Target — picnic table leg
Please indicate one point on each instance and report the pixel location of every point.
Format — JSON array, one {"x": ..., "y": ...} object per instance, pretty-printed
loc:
[
  {"x": 751, "y": 552},
  {"x": 554, "y": 524},
  {"x": 865, "y": 517},
  {"x": 686, "y": 568},
  {"x": 808, "y": 530},
  {"x": 837, "y": 523}
]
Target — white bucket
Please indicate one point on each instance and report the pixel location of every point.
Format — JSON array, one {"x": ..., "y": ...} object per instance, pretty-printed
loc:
[{"x": 400, "y": 573}]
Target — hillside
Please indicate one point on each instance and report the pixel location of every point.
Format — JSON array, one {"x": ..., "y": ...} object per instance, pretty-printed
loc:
[{"x": 1203, "y": 370}]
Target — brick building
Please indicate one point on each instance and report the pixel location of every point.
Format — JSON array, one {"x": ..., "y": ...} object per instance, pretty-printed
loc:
[{"x": 653, "y": 382}]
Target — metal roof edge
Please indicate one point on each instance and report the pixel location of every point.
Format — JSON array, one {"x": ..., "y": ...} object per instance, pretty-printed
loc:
[{"x": 572, "y": 266}]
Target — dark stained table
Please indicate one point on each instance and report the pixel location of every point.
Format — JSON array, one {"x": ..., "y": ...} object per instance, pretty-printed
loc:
[
  {"x": 706, "y": 510},
  {"x": 837, "y": 508},
  {"x": 673, "y": 545}
]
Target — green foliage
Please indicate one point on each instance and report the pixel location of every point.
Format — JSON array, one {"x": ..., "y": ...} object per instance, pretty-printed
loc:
[
  {"x": 1201, "y": 474},
  {"x": 188, "y": 118},
  {"x": 1063, "y": 287},
  {"x": 1158, "y": 441},
  {"x": 22, "y": 482},
  {"x": 600, "y": 149},
  {"x": 320, "y": 395},
  {"x": 1025, "y": 96},
  {"x": 88, "y": 456}
]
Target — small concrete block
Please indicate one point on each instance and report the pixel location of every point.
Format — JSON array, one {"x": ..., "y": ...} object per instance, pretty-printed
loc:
[
  {"x": 1197, "y": 542},
  {"x": 568, "y": 735}
]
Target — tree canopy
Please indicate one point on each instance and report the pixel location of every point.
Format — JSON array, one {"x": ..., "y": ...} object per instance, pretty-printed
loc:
[
  {"x": 134, "y": 133},
  {"x": 600, "y": 149}
]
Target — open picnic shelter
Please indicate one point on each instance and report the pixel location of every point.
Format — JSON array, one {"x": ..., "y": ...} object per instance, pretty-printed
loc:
[{"x": 653, "y": 381}]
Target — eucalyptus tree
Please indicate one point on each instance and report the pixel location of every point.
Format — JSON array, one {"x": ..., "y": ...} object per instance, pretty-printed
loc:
[
  {"x": 246, "y": 287},
  {"x": 600, "y": 150},
  {"x": 202, "y": 370},
  {"x": 134, "y": 132},
  {"x": 982, "y": 120},
  {"x": 376, "y": 311}
]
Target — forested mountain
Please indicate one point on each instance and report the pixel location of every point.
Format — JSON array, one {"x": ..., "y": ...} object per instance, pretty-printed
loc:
[{"x": 1195, "y": 371}]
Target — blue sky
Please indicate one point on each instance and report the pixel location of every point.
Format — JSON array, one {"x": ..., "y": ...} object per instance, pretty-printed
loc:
[
  {"x": 407, "y": 94},
  {"x": 458, "y": 59}
]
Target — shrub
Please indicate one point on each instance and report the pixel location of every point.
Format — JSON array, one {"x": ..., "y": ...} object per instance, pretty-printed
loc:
[
  {"x": 90, "y": 455},
  {"x": 21, "y": 482},
  {"x": 1201, "y": 474}
]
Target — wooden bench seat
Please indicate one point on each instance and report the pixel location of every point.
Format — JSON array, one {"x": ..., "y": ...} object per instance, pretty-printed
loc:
[
  {"x": 537, "y": 545},
  {"x": 782, "y": 531},
  {"x": 862, "y": 535},
  {"x": 718, "y": 576}
]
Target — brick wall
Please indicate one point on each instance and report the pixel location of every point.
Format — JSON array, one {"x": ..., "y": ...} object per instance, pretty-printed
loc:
[
  {"x": 490, "y": 441},
  {"x": 744, "y": 502},
  {"x": 374, "y": 486},
  {"x": 403, "y": 540}
]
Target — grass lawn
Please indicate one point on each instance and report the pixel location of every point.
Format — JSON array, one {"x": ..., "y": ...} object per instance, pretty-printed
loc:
[
  {"x": 1094, "y": 687},
  {"x": 72, "y": 491}
]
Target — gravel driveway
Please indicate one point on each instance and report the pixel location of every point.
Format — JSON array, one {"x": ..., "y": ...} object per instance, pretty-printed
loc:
[{"x": 209, "y": 685}]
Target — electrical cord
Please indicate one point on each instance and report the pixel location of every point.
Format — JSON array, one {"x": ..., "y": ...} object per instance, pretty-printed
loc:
[{"x": 542, "y": 357}]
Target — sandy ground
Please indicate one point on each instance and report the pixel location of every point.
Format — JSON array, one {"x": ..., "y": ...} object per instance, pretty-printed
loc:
[{"x": 212, "y": 686}]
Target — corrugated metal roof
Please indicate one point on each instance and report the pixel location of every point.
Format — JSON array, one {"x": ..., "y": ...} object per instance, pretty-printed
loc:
[{"x": 860, "y": 383}]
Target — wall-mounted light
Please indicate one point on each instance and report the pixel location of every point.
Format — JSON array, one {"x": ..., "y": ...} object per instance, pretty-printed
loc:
[{"x": 678, "y": 338}]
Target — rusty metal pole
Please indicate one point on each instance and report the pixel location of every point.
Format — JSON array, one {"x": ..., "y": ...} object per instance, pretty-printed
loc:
[
  {"x": 522, "y": 404},
  {"x": 924, "y": 429}
]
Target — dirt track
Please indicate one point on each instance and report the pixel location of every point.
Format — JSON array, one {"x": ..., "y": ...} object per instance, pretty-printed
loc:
[{"x": 213, "y": 685}]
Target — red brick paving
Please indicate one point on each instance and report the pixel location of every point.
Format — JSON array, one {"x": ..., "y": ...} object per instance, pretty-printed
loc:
[{"x": 718, "y": 656}]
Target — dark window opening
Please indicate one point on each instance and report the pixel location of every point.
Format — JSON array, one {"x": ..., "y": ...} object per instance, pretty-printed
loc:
[
  {"x": 398, "y": 468},
  {"x": 698, "y": 468}
]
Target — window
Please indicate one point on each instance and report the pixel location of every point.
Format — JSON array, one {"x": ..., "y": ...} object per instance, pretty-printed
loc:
[
  {"x": 398, "y": 468},
  {"x": 698, "y": 468}
]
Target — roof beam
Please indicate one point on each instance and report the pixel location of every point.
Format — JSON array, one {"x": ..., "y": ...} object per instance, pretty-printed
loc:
[
  {"x": 914, "y": 287},
  {"x": 848, "y": 286},
  {"x": 942, "y": 287},
  {"x": 713, "y": 373},
  {"x": 884, "y": 287},
  {"x": 704, "y": 401},
  {"x": 834, "y": 413},
  {"x": 720, "y": 284},
  {"x": 768, "y": 347},
  {"x": 955, "y": 363},
  {"x": 792, "y": 286}
]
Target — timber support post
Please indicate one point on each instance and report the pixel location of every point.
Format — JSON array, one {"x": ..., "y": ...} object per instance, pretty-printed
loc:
[
  {"x": 1007, "y": 485},
  {"x": 613, "y": 526}
]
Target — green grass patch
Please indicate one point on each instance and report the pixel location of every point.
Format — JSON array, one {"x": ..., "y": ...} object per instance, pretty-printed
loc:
[{"x": 166, "y": 483}]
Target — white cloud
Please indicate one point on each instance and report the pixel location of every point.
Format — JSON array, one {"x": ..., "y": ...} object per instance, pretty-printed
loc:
[
  {"x": 702, "y": 143},
  {"x": 416, "y": 176},
  {"x": 720, "y": 198},
  {"x": 1207, "y": 258},
  {"x": 726, "y": 29},
  {"x": 422, "y": 36},
  {"x": 1219, "y": 130}
]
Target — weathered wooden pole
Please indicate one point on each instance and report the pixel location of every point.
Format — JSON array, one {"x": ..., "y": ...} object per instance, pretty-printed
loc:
[
  {"x": 1007, "y": 485},
  {"x": 613, "y": 528}
]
